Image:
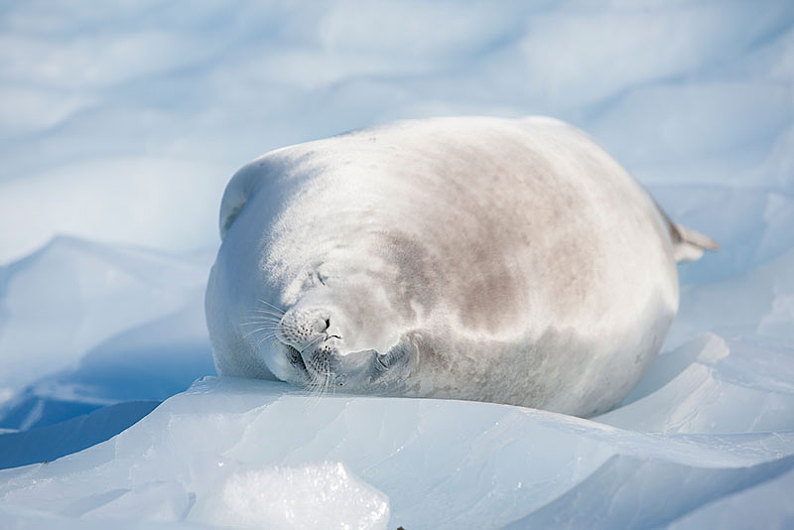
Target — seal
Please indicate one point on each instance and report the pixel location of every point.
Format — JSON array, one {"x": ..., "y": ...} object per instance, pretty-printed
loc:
[{"x": 509, "y": 261}]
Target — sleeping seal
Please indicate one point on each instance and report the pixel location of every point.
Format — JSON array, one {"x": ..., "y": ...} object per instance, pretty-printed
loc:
[{"x": 511, "y": 261}]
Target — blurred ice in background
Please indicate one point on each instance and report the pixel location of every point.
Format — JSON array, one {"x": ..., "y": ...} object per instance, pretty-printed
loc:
[{"x": 120, "y": 124}]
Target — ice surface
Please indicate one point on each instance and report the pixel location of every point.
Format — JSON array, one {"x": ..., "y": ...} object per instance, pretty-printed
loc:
[
  {"x": 72, "y": 296},
  {"x": 42, "y": 444},
  {"x": 307, "y": 496},
  {"x": 84, "y": 325},
  {"x": 707, "y": 386},
  {"x": 254, "y": 453},
  {"x": 767, "y": 505},
  {"x": 121, "y": 125}
]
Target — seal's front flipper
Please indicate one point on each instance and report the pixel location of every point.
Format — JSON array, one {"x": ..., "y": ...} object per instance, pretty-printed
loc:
[
  {"x": 236, "y": 196},
  {"x": 689, "y": 245}
]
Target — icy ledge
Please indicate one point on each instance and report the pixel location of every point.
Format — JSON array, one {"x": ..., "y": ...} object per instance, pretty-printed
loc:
[{"x": 242, "y": 453}]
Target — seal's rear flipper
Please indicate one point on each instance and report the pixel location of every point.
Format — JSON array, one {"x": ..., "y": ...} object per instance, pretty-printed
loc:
[{"x": 689, "y": 245}]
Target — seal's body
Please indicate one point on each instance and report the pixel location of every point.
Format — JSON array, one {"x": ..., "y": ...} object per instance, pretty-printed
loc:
[{"x": 511, "y": 261}]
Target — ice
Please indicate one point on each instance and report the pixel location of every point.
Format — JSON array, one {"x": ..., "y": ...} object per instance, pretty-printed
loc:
[
  {"x": 721, "y": 390},
  {"x": 309, "y": 496},
  {"x": 48, "y": 442},
  {"x": 766, "y": 313},
  {"x": 771, "y": 502},
  {"x": 259, "y": 451},
  {"x": 645, "y": 494},
  {"x": 120, "y": 126},
  {"x": 711, "y": 420},
  {"x": 86, "y": 326}
]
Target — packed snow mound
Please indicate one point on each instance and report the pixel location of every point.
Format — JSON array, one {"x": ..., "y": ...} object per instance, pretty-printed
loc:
[{"x": 263, "y": 454}]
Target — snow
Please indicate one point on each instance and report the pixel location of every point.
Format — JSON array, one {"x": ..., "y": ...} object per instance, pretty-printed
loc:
[{"x": 120, "y": 127}]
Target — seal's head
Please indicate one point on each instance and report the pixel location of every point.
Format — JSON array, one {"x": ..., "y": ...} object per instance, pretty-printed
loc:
[{"x": 340, "y": 333}]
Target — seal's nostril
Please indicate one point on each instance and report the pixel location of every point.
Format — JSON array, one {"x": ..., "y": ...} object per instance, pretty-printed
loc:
[{"x": 329, "y": 334}]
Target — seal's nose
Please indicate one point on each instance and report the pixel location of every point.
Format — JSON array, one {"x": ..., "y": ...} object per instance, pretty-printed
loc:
[{"x": 304, "y": 327}]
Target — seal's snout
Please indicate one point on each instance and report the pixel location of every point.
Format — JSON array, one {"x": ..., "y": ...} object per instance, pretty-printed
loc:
[
  {"x": 311, "y": 337},
  {"x": 300, "y": 328},
  {"x": 319, "y": 344}
]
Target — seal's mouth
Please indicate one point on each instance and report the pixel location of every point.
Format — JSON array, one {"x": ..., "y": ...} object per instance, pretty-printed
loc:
[
  {"x": 295, "y": 359},
  {"x": 310, "y": 367}
]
